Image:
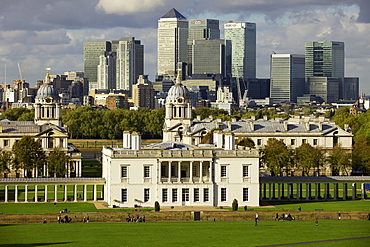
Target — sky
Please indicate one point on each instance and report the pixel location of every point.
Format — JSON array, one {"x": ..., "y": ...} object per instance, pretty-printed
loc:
[{"x": 37, "y": 34}]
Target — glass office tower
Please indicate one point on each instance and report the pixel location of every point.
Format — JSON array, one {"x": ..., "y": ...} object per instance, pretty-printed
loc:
[
  {"x": 92, "y": 52},
  {"x": 243, "y": 41}
]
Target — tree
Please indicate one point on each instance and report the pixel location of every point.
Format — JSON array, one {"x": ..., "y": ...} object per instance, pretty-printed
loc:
[
  {"x": 28, "y": 155},
  {"x": 307, "y": 157},
  {"x": 16, "y": 114},
  {"x": 5, "y": 160},
  {"x": 235, "y": 205},
  {"x": 361, "y": 153},
  {"x": 276, "y": 156},
  {"x": 57, "y": 160},
  {"x": 157, "y": 207},
  {"x": 339, "y": 160},
  {"x": 246, "y": 142}
]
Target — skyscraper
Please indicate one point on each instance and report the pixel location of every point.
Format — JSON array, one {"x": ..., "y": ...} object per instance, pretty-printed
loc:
[
  {"x": 130, "y": 61},
  {"x": 286, "y": 77},
  {"x": 201, "y": 29},
  {"x": 325, "y": 58},
  {"x": 92, "y": 52},
  {"x": 172, "y": 42},
  {"x": 243, "y": 41}
]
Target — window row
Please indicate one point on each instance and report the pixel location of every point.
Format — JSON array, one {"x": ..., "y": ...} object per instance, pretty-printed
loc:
[
  {"x": 224, "y": 194},
  {"x": 245, "y": 171},
  {"x": 293, "y": 142}
]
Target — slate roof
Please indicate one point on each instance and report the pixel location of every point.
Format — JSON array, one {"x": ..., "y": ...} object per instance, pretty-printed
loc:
[
  {"x": 262, "y": 126},
  {"x": 171, "y": 146},
  {"x": 26, "y": 127},
  {"x": 173, "y": 13}
]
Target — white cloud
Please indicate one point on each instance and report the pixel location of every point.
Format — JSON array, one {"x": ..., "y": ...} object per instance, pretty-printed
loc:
[{"x": 122, "y": 7}]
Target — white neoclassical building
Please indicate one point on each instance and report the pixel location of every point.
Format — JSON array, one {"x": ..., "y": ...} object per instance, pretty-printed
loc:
[
  {"x": 176, "y": 173},
  {"x": 47, "y": 127}
]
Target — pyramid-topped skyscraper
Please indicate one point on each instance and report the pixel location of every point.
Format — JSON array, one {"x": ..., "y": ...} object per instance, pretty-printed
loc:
[{"x": 172, "y": 42}]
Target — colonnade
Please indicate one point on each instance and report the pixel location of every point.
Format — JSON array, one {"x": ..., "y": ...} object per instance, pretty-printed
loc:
[
  {"x": 312, "y": 190},
  {"x": 191, "y": 178},
  {"x": 45, "y": 191}
]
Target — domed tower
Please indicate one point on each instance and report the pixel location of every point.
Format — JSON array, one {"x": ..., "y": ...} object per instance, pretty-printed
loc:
[
  {"x": 47, "y": 104},
  {"x": 178, "y": 113}
]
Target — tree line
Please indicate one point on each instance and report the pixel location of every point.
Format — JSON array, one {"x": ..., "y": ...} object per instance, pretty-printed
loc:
[{"x": 27, "y": 154}]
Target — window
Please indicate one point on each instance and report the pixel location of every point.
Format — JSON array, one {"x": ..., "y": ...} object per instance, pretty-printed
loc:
[
  {"x": 245, "y": 171},
  {"x": 6, "y": 143},
  {"x": 61, "y": 143},
  {"x": 146, "y": 171},
  {"x": 124, "y": 195},
  {"x": 196, "y": 195},
  {"x": 314, "y": 142},
  {"x": 292, "y": 142},
  {"x": 194, "y": 171},
  {"x": 174, "y": 195},
  {"x": 124, "y": 173},
  {"x": 304, "y": 140},
  {"x": 164, "y": 195},
  {"x": 223, "y": 194},
  {"x": 146, "y": 195},
  {"x": 223, "y": 171},
  {"x": 259, "y": 142},
  {"x": 206, "y": 194},
  {"x": 163, "y": 170},
  {"x": 245, "y": 194},
  {"x": 173, "y": 171}
]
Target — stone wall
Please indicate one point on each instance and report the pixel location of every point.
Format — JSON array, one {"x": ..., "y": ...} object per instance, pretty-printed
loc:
[{"x": 183, "y": 216}]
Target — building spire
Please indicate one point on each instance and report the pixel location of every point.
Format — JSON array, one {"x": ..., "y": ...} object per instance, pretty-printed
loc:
[{"x": 47, "y": 76}]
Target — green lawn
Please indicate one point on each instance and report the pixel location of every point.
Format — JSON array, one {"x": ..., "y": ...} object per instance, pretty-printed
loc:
[{"x": 219, "y": 233}]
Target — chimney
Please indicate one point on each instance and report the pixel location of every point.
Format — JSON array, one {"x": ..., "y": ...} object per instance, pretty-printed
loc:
[
  {"x": 126, "y": 139},
  {"x": 229, "y": 141},
  {"x": 285, "y": 125},
  {"x": 265, "y": 117},
  {"x": 199, "y": 118},
  {"x": 251, "y": 124},
  {"x": 253, "y": 117},
  {"x": 320, "y": 126},
  {"x": 218, "y": 138},
  {"x": 307, "y": 126},
  {"x": 136, "y": 141}
]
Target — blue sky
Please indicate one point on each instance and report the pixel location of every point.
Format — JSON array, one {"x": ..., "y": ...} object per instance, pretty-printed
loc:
[{"x": 42, "y": 33}]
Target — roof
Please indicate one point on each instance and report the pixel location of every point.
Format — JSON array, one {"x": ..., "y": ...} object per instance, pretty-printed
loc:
[
  {"x": 171, "y": 145},
  {"x": 173, "y": 13},
  {"x": 26, "y": 127}
]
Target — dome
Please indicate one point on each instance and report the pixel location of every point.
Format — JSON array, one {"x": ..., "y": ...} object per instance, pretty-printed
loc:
[
  {"x": 178, "y": 90},
  {"x": 47, "y": 90}
]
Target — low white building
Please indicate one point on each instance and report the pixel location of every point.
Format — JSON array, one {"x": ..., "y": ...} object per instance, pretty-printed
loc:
[{"x": 178, "y": 174}]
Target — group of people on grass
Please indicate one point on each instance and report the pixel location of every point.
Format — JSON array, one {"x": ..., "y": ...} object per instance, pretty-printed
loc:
[
  {"x": 135, "y": 219},
  {"x": 283, "y": 217},
  {"x": 64, "y": 219}
]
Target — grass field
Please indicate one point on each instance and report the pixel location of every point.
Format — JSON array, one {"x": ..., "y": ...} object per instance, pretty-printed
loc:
[{"x": 219, "y": 233}]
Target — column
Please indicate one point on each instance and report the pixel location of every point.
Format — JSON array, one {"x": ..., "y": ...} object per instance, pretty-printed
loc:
[
  {"x": 353, "y": 191},
  {"x": 289, "y": 190},
  {"x": 160, "y": 172},
  {"x": 169, "y": 171},
  {"x": 85, "y": 192},
  {"x": 344, "y": 191},
  {"x": 273, "y": 190},
  {"x": 316, "y": 191},
  {"x": 363, "y": 190},
  {"x": 191, "y": 172},
  {"x": 16, "y": 193},
  {"x": 6, "y": 193},
  {"x": 326, "y": 191},
  {"x": 201, "y": 171},
  {"x": 179, "y": 171},
  {"x": 261, "y": 197},
  {"x": 270, "y": 191},
  {"x": 26, "y": 193},
  {"x": 279, "y": 192},
  {"x": 264, "y": 190},
  {"x": 335, "y": 191},
  {"x": 282, "y": 190},
  {"x": 55, "y": 193},
  {"x": 308, "y": 191},
  {"x": 210, "y": 172},
  {"x": 36, "y": 199},
  {"x": 75, "y": 193},
  {"x": 298, "y": 191},
  {"x": 65, "y": 192},
  {"x": 95, "y": 193},
  {"x": 46, "y": 193}
]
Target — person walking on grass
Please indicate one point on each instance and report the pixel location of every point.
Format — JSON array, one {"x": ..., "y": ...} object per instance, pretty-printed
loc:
[{"x": 256, "y": 220}]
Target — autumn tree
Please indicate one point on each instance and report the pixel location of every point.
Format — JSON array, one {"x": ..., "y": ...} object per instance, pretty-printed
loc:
[
  {"x": 5, "y": 161},
  {"x": 28, "y": 155},
  {"x": 57, "y": 160},
  {"x": 276, "y": 156},
  {"x": 361, "y": 153},
  {"x": 307, "y": 157},
  {"x": 339, "y": 160}
]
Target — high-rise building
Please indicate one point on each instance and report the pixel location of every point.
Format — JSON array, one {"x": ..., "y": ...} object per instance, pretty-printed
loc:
[
  {"x": 325, "y": 58},
  {"x": 286, "y": 77},
  {"x": 129, "y": 63},
  {"x": 201, "y": 29},
  {"x": 92, "y": 52},
  {"x": 243, "y": 41},
  {"x": 351, "y": 88},
  {"x": 326, "y": 88},
  {"x": 211, "y": 57},
  {"x": 143, "y": 93},
  {"x": 107, "y": 71},
  {"x": 172, "y": 42}
]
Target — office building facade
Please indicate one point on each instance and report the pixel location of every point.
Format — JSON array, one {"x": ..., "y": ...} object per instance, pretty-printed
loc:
[
  {"x": 287, "y": 80},
  {"x": 92, "y": 52},
  {"x": 243, "y": 41},
  {"x": 171, "y": 43}
]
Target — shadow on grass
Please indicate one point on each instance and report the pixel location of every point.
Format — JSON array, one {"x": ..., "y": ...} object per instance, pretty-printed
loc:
[{"x": 32, "y": 245}]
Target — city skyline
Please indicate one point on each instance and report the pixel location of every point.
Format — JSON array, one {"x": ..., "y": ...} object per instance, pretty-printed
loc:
[{"x": 52, "y": 34}]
